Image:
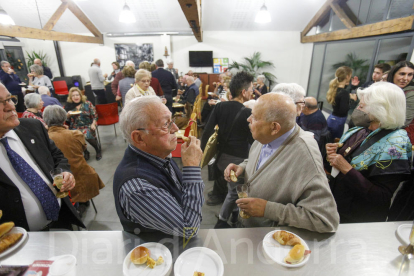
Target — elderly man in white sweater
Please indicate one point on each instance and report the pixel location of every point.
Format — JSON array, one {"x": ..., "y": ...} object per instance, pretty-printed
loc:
[{"x": 284, "y": 171}]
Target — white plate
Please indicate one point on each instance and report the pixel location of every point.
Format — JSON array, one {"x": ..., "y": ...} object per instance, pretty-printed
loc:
[
  {"x": 200, "y": 259},
  {"x": 156, "y": 249},
  {"x": 403, "y": 232},
  {"x": 210, "y": 93},
  {"x": 278, "y": 252},
  {"x": 15, "y": 246},
  {"x": 75, "y": 112}
]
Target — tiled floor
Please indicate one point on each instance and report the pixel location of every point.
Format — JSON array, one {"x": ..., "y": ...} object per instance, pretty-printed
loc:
[{"x": 112, "y": 151}]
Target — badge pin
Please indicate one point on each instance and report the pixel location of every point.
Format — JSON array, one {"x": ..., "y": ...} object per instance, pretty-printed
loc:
[{"x": 33, "y": 141}]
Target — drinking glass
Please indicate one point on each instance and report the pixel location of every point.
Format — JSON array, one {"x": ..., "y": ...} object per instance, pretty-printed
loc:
[
  {"x": 58, "y": 182},
  {"x": 243, "y": 192}
]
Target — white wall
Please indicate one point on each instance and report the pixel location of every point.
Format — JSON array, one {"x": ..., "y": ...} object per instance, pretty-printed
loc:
[{"x": 291, "y": 58}]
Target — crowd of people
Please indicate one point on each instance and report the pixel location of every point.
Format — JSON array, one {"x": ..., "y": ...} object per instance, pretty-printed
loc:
[{"x": 301, "y": 169}]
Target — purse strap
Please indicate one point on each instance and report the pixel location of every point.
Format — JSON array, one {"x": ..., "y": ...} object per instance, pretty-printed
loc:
[{"x": 232, "y": 125}]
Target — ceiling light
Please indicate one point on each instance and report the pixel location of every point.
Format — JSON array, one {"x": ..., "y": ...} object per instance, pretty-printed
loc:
[
  {"x": 126, "y": 15},
  {"x": 5, "y": 19},
  {"x": 263, "y": 16}
]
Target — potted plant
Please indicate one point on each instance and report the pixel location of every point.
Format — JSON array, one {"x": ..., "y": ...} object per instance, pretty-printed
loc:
[{"x": 31, "y": 57}]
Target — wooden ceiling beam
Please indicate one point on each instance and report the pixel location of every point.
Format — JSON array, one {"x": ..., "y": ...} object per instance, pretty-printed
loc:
[
  {"x": 192, "y": 11},
  {"x": 379, "y": 28},
  {"x": 342, "y": 15},
  {"x": 82, "y": 17},
  {"x": 26, "y": 32},
  {"x": 55, "y": 17},
  {"x": 318, "y": 16}
]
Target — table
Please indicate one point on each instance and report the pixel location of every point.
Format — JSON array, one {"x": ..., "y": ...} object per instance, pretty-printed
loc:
[{"x": 355, "y": 249}]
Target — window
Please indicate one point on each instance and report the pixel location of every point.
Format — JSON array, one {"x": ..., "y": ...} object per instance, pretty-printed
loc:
[
  {"x": 376, "y": 11},
  {"x": 324, "y": 24},
  {"x": 400, "y": 8},
  {"x": 316, "y": 68},
  {"x": 393, "y": 50}
]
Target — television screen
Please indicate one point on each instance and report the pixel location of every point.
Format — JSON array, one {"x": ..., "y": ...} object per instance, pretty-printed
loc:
[{"x": 201, "y": 58}]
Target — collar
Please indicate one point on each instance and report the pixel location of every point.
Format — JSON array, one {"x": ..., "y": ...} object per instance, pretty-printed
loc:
[
  {"x": 159, "y": 162},
  {"x": 11, "y": 135},
  {"x": 279, "y": 141},
  {"x": 193, "y": 84}
]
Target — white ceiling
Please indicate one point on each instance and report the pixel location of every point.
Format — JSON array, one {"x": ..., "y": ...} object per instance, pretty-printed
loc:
[{"x": 166, "y": 15}]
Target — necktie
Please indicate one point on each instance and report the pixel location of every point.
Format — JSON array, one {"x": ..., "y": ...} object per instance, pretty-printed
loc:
[{"x": 35, "y": 182}]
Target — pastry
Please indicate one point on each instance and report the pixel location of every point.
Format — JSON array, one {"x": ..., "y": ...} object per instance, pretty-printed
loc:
[
  {"x": 150, "y": 262},
  {"x": 186, "y": 139},
  {"x": 5, "y": 228},
  {"x": 233, "y": 176},
  {"x": 140, "y": 255},
  {"x": 160, "y": 261},
  {"x": 198, "y": 273},
  {"x": 8, "y": 240},
  {"x": 285, "y": 238},
  {"x": 296, "y": 254}
]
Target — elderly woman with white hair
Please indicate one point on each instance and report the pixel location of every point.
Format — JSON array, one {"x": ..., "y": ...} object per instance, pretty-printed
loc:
[
  {"x": 371, "y": 159},
  {"x": 261, "y": 87},
  {"x": 295, "y": 91},
  {"x": 37, "y": 78},
  {"x": 72, "y": 143},
  {"x": 34, "y": 105},
  {"x": 141, "y": 87}
]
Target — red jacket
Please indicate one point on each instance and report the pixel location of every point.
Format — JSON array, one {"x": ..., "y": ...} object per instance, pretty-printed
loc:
[{"x": 155, "y": 84}]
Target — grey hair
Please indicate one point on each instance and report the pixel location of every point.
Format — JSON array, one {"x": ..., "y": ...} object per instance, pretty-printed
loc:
[
  {"x": 3, "y": 62},
  {"x": 136, "y": 115},
  {"x": 262, "y": 77},
  {"x": 54, "y": 115},
  {"x": 386, "y": 102},
  {"x": 281, "y": 113},
  {"x": 190, "y": 79},
  {"x": 130, "y": 63},
  {"x": 170, "y": 61},
  {"x": 294, "y": 90},
  {"x": 32, "y": 100},
  {"x": 96, "y": 61},
  {"x": 43, "y": 90},
  {"x": 37, "y": 69},
  {"x": 159, "y": 63}
]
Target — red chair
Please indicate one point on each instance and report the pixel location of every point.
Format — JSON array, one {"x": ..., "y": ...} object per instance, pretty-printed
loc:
[
  {"x": 19, "y": 114},
  {"x": 107, "y": 115},
  {"x": 61, "y": 88}
]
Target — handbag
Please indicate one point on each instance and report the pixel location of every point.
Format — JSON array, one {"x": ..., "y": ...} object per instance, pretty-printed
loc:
[{"x": 211, "y": 147}]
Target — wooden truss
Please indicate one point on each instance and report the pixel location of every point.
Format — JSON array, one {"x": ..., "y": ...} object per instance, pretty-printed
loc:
[
  {"x": 192, "y": 11},
  {"x": 47, "y": 34},
  {"x": 352, "y": 31}
]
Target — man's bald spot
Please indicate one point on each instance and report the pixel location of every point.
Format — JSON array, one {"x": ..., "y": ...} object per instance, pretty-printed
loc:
[
  {"x": 277, "y": 107},
  {"x": 311, "y": 103}
]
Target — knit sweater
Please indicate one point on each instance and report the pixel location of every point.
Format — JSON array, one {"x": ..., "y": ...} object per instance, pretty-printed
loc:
[{"x": 294, "y": 183}]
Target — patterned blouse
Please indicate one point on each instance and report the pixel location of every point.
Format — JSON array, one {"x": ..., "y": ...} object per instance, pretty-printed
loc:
[
  {"x": 83, "y": 121},
  {"x": 37, "y": 116}
]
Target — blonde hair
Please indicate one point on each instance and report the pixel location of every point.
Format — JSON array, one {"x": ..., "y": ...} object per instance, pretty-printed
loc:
[
  {"x": 145, "y": 65},
  {"x": 128, "y": 72},
  {"x": 75, "y": 89},
  {"x": 340, "y": 75},
  {"x": 142, "y": 73}
]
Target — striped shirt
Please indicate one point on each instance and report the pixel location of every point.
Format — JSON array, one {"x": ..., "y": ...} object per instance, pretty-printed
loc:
[{"x": 156, "y": 208}]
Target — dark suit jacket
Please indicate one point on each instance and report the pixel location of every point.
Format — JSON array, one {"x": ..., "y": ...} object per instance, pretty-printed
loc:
[
  {"x": 47, "y": 157},
  {"x": 166, "y": 80},
  {"x": 47, "y": 72}
]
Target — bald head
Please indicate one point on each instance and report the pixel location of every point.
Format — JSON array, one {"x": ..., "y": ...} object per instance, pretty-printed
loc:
[
  {"x": 97, "y": 61},
  {"x": 189, "y": 80},
  {"x": 311, "y": 106},
  {"x": 278, "y": 107},
  {"x": 37, "y": 62}
]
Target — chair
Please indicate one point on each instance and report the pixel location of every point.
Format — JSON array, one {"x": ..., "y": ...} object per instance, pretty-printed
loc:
[
  {"x": 61, "y": 88},
  {"x": 107, "y": 115},
  {"x": 19, "y": 114},
  {"x": 205, "y": 94},
  {"x": 320, "y": 105}
]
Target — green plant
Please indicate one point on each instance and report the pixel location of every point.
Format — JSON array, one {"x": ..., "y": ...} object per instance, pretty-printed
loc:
[
  {"x": 255, "y": 66},
  {"x": 358, "y": 66},
  {"x": 31, "y": 57}
]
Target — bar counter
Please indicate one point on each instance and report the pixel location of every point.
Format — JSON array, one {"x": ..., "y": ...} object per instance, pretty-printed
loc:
[{"x": 355, "y": 249}]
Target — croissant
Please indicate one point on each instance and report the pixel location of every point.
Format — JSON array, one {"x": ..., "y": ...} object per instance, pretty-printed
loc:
[
  {"x": 285, "y": 238},
  {"x": 8, "y": 240}
]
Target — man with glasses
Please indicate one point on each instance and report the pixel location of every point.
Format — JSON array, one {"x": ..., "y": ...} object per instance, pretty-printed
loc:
[
  {"x": 295, "y": 91},
  {"x": 151, "y": 193},
  {"x": 27, "y": 155},
  {"x": 284, "y": 171}
]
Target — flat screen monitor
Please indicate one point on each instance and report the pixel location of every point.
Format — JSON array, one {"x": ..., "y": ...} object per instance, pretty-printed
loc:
[{"x": 201, "y": 58}]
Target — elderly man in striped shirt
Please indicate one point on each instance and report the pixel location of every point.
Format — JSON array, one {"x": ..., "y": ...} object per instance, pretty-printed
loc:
[{"x": 151, "y": 193}]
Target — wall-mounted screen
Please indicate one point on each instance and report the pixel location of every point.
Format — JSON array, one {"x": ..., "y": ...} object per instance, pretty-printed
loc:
[{"x": 201, "y": 58}]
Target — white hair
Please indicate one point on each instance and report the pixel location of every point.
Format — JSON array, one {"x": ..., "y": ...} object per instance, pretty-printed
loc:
[
  {"x": 282, "y": 114},
  {"x": 189, "y": 79},
  {"x": 54, "y": 115},
  {"x": 32, "y": 100},
  {"x": 170, "y": 61},
  {"x": 136, "y": 114},
  {"x": 261, "y": 77},
  {"x": 43, "y": 90},
  {"x": 386, "y": 102},
  {"x": 294, "y": 90},
  {"x": 130, "y": 63}
]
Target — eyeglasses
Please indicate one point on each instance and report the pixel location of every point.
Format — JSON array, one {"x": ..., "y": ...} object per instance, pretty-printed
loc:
[
  {"x": 12, "y": 100},
  {"x": 301, "y": 102},
  {"x": 166, "y": 127}
]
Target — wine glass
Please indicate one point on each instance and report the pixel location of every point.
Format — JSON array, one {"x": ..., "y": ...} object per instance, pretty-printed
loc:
[
  {"x": 243, "y": 192},
  {"x": 58, "y": 182}
]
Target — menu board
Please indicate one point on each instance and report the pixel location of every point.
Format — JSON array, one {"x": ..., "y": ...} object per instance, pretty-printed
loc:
[{"x": 220, "y": 65}]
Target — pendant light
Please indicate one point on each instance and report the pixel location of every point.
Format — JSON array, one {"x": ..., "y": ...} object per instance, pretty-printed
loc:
[
  {"x": 126, "y": 15},
  {"x": 263, "y": 16},
  {"x": 5, "y": 19}
]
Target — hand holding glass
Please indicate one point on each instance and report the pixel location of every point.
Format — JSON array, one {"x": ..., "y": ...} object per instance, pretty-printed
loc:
[
  {"x": 58, "y": 182},
  {"x": 243, "y": 192}
]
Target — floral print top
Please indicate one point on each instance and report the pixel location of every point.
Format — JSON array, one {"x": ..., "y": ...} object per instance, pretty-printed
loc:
[
  {"x": 37, "y": 116},
  {"x": 83, "y": 121}
]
